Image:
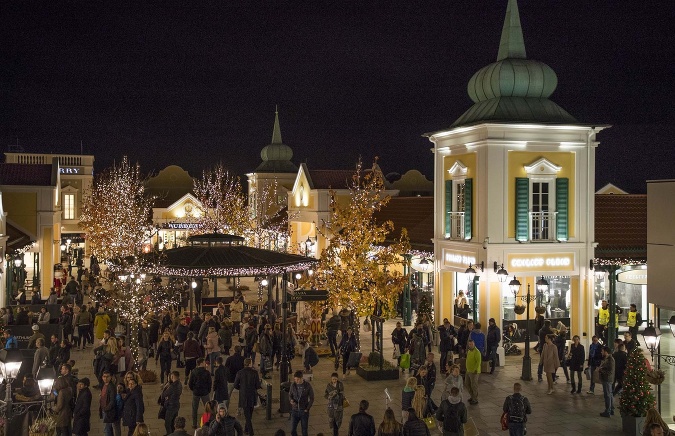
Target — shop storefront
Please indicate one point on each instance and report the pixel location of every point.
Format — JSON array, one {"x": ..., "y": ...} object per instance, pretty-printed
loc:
[{"x": 174, "y": 234}]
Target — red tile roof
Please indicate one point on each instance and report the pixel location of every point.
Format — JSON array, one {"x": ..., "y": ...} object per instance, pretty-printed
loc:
[
  {"x": 330, "y": 179},
  {"x": 415, "y": 214},
  {"x": 621, "y": 226},
  {"x": 25, "y": 174}
]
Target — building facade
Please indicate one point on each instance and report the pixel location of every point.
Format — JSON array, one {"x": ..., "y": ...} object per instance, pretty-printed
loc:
[{"x": 514, "y": 188}]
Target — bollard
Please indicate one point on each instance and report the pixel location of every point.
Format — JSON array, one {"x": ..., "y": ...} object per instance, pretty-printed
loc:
[{"x": 268, "y": 409}]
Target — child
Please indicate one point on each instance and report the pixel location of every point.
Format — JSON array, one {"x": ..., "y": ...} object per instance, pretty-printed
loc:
[{"x": 119, "y": 404}]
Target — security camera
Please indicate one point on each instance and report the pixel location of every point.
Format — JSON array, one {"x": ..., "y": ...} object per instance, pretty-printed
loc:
[{"x": 486, "y": 241}]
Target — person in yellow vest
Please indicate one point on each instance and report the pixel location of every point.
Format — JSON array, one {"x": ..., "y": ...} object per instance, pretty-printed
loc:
[
  {"x": 633, "y": 321},
  {"x": 603, "y": 321}
]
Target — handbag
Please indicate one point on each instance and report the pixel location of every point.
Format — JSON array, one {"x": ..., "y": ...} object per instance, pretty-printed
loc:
[
  {"x": 504, "y": 420},
  {"x": 345, "y": 402},
  {"x": 405, "y": 361},
  {"x": 430, "y": 422},
  {"x": 397, "y": 353},
  {"x": 596, "y": 375},
  {"x": 162, "y": 413},
  {"x": 587, "y": 372}
]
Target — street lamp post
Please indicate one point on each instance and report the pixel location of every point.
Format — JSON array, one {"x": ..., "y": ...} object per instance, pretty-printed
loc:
[
  {"x": 407, "y": 304},
  {"x": 542, "y": 286},
  {"x": 10, "y": 364}
]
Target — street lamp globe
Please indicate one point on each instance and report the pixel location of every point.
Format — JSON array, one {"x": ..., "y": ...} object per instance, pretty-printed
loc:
[
  {"x": 298, "y": 276},
  {"x": 671, "y": 324},
  {"x": 652, "y": 336},
  {"x": 45, "y": 378},
  {"x": 10, "y": 363},
  {"x": 542, "y": 284},
  {"x": 194, "y": 284},
  {"x": 470, "y": 273},
  {"x": 502, "y": 275},
  {"x": 264, "y": 282},
  {"x": 514, "y": 285},
  {"x": 18, "y": 260}
]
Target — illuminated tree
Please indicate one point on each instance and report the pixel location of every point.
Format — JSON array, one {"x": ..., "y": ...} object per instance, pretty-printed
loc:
[
  {"x": 268, "y": 224},
  {"x": 636, "y": 392},
  {"x": 357, "y": 269},
  {"x": 224, "y": 202},
  {"x": 117, "y": 212}
]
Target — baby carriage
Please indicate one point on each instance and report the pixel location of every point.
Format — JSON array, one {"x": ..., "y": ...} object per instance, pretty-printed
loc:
[{"x": 511, "y": 349}]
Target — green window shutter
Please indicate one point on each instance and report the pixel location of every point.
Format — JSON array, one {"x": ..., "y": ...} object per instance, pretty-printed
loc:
[
  {"x": 468, "y": 196},
  {"x": 522, "y": 208},
  {"x": 448, "y": 206},
  {"x": 562, "y": 207}
]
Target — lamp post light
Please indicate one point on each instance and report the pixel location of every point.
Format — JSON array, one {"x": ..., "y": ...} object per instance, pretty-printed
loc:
[
  {"x": 45, "y": 378},
  {"x": 652, "y": 337},
  {"x": 502, "y": 275},
  {"x": 10, "y": 364}
]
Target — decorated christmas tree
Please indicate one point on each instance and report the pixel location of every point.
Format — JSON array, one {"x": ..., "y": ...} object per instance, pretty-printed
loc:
[
  {"x": 636, "y": 394},
  {"x": 424, "y": 308}
]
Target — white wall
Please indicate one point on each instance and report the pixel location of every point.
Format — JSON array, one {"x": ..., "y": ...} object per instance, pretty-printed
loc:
[{"x": 661, "y": 242}]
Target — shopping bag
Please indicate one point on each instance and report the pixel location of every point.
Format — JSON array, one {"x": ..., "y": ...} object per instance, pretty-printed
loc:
[
  {"x": 405, "y": 361},
  {"x": 397, "y": 353},
  {"x": 587, "y": 373},
  {"x": 430, "y": 422},
  {"x": 505, "y": 421},
  {"x": 354, "y": 359},
  {"x": 596, "y": 375}
]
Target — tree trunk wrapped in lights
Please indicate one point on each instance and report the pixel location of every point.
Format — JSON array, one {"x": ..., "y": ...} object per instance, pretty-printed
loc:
[
  {"x": 117, "y": 212},
  {"x": 356, "y": 268}
]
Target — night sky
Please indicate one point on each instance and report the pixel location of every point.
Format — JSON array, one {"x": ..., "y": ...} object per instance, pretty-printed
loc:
[{"x": 191, "y": 84}]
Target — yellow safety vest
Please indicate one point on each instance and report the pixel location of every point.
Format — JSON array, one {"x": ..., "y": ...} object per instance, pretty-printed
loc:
[
  {"x": 603, "y": 316},
  {"x": 632, "y": 319}
]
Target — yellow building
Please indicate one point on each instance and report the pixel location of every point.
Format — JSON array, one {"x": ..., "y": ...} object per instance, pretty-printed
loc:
[
  {"x": 514, "y": 187},
  {"x": 31, "y": 199}
]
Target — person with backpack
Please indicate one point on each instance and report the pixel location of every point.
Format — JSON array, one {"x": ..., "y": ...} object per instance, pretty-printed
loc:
[
  {"x": 517, "y": 407},
  {"x": 453, "y": 414}
]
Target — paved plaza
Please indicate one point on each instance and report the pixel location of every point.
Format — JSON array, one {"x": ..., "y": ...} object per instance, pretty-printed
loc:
[{"x": 557, "y": 414}]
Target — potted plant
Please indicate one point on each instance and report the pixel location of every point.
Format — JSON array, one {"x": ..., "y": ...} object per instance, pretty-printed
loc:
[
  {"x": 636, "y": 395},
  {"x": 371, "y": 369},
  {"x": 540, "y": 310},
  {"x": 656, "y": 376},
  {"x": 44, "y": 426},
  {"x": 519, "y": 309}
]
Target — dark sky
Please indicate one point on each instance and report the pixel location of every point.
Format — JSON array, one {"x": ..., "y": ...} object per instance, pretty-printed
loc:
[{"x": 191, "y": 84}]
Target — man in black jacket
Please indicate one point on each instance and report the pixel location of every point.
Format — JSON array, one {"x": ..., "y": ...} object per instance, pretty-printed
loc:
[
  {"x": 247, "y": 383},
  {"x": 332, "y": 327},
  {"x": 447, "y": 335},
  {"x": 302, "y": 397},
  {"x": 399, "y": 337},
  {"x": 493, "y": 338},
  {"x": 200, "y": 385},
  {"x": 170, "y": 399},
  {"x": 362, "y": 424},
  {"x": 233, "y": 365},
  {"x": 82, "y": 410},
  {"x": 107, "y": 409},
  {"x": 224, "y": 424},
  {"x": 220, "y": 392}
]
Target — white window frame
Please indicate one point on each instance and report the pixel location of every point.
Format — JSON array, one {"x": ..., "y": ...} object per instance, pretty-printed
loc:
[
  {"x": 543, "y": 171},
  {"x": 69, "y": 213},
  {"x": 458, "y": 174}
]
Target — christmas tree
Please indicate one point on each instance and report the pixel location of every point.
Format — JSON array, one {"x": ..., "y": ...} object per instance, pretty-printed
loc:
[
  {"x": 424, "y": 308},
  {"x": 636, "y": 394}
]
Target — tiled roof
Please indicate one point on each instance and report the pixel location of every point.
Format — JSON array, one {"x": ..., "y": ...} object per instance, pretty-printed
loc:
[
  {"x": 25, "y": 174},
  {"x": 415, "y": 214},
  {"x": 621, "y": 226},
  {"x": 331, "y": 179}
]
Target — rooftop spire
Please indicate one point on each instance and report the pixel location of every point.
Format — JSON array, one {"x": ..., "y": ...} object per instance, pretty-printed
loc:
[
  {"x": 276, "y": 134},
  {"x": 512, "y": 44}
]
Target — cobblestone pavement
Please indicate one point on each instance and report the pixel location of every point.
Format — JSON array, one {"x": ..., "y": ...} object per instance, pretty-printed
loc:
[{"x": 557, "y": 414}]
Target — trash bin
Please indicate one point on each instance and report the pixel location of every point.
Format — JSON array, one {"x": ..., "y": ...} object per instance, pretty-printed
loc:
[{"x": 284, "y": 398}]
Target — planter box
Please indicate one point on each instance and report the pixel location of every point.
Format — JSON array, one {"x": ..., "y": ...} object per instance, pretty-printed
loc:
[
  {"x": 385, "y": 374},
  {"x": 633, "y": 425}
]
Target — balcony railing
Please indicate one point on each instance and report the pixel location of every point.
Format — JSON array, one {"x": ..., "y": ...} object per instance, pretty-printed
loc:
[
  {"x": 542, "y": 226},
  {"x": 456, "y": 226}
]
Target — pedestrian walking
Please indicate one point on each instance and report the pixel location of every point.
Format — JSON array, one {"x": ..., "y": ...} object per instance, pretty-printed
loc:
[
  {"x": 473, "y": 368},
  {"x": 200, "y": 385},
  {"x": 607, "y": 368},
  {"x": 332, "y": 327},
  {"x": 447, "y": 335},
  {"x": 453, "y": 380},
  {"x": 62, "y": 408},
  {"x": 224, "y": 424},
  {"x": 335, "y": 394},
  {"x": 301, "y": 396},
  {"x": 247, "y": 383},
  {"x": 415, "y": 426},
  {"x": 362, "y": 423},
  {"x": 220, "y": 391},
  {"x": 620, "y": 361},
  {"x": 132, "y": 413},
  {"x": 453, "y": 414},
  {"x": 575, "y": 358},
  {"x": 407, "y": 397},
  {"x": 347, "y": 346},
  {"x": 170, "y": 400},
  {"x": 164, "y": 355},
  {"x": 594, "y": 360},
  {"x": 518, "y": 407},
  {"x": 549, "y": 360},
  {"x": 107, "y": 409},
  {"x": 389, "y": 425},
  {"x": 493, "y": 337},
  {"x": 82, "y": 410}
]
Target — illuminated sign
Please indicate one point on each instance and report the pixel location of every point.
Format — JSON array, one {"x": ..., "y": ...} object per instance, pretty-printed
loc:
[
  {"x": 182, "y": 226},
  {"x": 526, "y": 262},
  {"x": 71, "y": 170},
  {"x": 460, "y": 259},
  {"x": 633, "y": 277}
]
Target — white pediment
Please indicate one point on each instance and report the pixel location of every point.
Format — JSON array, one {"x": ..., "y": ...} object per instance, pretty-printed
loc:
[
  {"x": 458, "y": 169},
  {"x": 542, "y": 166}
]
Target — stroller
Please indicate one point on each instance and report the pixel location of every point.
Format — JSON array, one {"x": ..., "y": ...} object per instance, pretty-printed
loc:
[{"x": 511, "y": 349}]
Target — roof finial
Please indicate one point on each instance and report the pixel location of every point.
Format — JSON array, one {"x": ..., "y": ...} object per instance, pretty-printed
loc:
[
  {"x": 512, "y": 44},
  {"x": 276, "y": 134}
]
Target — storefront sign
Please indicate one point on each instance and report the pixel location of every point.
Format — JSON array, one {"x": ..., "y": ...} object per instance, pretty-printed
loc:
[
  {"x": 75, "y": 238},
  {"x": 459, "y": 259},
  {"x": 71, "y": 170},
  {"x": 182, "y": 226},
  {"x": 633, "y": 277},
  {"x": 527, "y": 262}
]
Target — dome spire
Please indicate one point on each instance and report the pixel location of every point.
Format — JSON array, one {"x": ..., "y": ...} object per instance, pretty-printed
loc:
[
  {"x": 512, "y": 44},
  {"x": 276, "y": 133}
]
